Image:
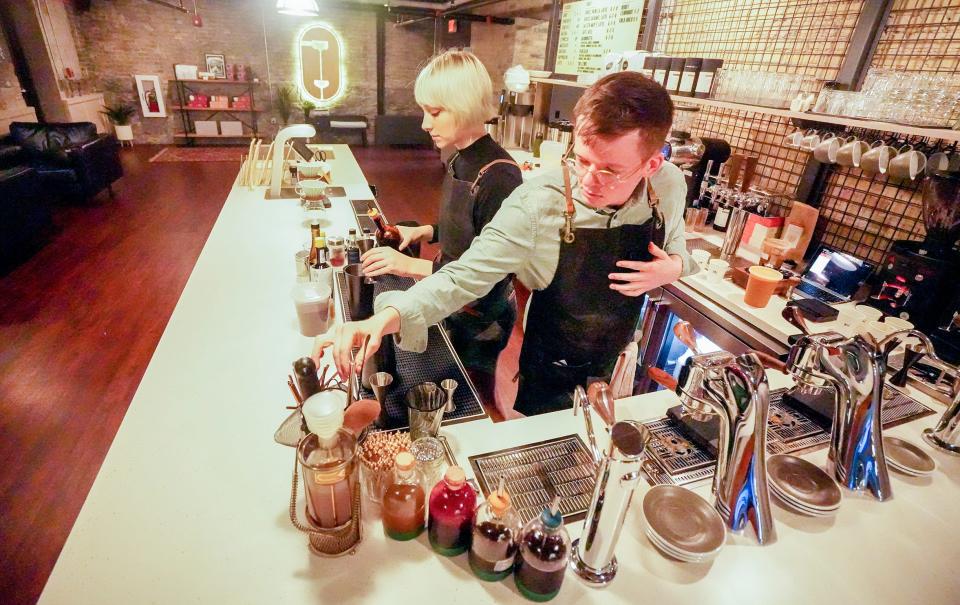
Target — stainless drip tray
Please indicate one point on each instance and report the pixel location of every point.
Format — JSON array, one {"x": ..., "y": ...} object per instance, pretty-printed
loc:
[
  {"x": 535, "y": 473},
  {"x": 674, "y": 459}
]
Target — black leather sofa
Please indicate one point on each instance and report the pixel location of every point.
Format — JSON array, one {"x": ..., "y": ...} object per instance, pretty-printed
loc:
[
  {"x": 25, "y": 217},
  {"x": 70, "y": 159}
]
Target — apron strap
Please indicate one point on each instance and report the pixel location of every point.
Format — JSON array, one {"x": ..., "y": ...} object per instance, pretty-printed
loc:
[
  {"x": 483, "y": 171},
  {"x": 653, "y": 201}
]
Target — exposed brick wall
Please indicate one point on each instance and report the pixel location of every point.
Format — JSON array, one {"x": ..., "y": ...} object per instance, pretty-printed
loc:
[
  {"x": 530, "y": 47},
  {"x": 10, "y": 97},
  {"x": 489, "y": 41},
  {"x": 120, "y": 38}
]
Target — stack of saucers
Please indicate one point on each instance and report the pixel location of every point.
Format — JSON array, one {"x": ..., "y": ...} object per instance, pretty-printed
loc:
[
  {"x": 905, "y": 457},
  {"x": 682, "y": 525},
  {"x": 803, "y": 487}
]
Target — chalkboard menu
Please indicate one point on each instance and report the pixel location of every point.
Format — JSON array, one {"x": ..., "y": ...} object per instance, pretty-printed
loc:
[{"x": 590, "y": 29}]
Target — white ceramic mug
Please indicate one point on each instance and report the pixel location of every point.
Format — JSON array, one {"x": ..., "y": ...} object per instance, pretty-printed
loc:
[
  {"x": 793, "y": 139},
  {"x": 826, "y": 151},
  {"x": 810, "y": 140},
  {"x": 702, "y": 257},
  {"x": 718, "y": 267},
  {"x": 937, "y": 162},
  {"x": 311, "y": 189},
  {"x": 852, "y": 152},
  {"x": 876, "y": 160},
  {"x": 908, "y": 164}
]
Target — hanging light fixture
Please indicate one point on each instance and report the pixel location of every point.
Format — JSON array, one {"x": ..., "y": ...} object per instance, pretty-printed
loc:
[{"x": 298, "y": 8}]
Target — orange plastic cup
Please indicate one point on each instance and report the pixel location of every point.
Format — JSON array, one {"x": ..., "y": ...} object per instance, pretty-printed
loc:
[{"x": 760, "y": 285}]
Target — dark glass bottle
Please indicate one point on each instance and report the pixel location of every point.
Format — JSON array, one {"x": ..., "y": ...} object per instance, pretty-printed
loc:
[
  {"x": 452, "y": 502},
  {"x": 353, "y": 251},
  {"x": 542, "y": 561},
  {"x": 387, "y": 234},
  {"x": 307, "y": 380},
  {"x": 496, "y": 529}
]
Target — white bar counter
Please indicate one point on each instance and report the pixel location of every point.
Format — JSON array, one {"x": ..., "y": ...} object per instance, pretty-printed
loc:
[{"x": 191, "y": 503}]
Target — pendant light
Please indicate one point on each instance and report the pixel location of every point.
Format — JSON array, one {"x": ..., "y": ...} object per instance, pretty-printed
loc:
[{"x": 298, "y": 8}]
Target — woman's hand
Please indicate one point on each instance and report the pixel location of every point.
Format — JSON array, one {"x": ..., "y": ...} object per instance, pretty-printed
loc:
[
  {"x": 413, "y": 234},
  {"x": 383, "y": 260}
]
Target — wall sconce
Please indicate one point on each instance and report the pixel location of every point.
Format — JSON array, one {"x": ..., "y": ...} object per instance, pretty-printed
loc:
[{"x": 298, "y": 8}]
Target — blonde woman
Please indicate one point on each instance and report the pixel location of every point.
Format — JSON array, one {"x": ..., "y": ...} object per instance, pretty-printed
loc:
[{"x": 456, "y": 95}]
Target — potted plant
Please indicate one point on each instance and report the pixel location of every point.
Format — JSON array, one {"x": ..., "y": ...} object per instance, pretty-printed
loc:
[
  {"x": 286, "y": 99},
  {"x": 306, "y": 105},
  {"x": 119, "y": 115}
]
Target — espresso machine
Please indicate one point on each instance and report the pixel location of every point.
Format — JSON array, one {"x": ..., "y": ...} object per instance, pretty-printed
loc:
[{"x": 917, "y": 280}]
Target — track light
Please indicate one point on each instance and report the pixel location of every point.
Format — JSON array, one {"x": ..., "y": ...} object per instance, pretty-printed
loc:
[{"x": 298, "y": 8}]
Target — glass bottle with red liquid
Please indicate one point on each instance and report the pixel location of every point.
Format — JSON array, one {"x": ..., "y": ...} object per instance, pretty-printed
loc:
[
  {"x": 452, "y": 503},
  {"x": 496, "y": 529},
  {"x": 387, "y": 234},
  {"x": 404, "y": 510},
  {"x": 544, "y": 551}
]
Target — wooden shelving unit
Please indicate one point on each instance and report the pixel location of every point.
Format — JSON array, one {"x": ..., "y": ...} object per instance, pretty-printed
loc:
[
  {"x": 186, "y": 87},
  {"x": 944, "y": 134}
]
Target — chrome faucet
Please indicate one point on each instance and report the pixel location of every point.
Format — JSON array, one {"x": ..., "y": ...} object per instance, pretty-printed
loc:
[
  {"x": 736, "y": 390},
  {"x": 853, "y": 370}
]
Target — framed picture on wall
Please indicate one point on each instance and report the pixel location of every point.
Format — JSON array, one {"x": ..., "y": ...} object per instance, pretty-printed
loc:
[
  {"x": 185, "y": 72},
  {"x": 216, "y": 65}
]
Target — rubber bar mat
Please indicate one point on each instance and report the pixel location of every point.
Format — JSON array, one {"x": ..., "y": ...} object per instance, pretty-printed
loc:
[
  {"x": 435, "y": 364},
  {"x": 676, "y": 459},
  {"x": 535, "y": 473}
]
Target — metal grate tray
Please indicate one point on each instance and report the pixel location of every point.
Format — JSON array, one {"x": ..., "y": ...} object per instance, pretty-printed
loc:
[
  {"x": 537, "y": 472},
  {"x": 437, "y": 362}
]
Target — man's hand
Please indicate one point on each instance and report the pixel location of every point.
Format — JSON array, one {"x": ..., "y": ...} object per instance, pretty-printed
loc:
[
  {"x": 380, "y": 261},
  {"x": 350, "y": 335},
  {"x": 646, "y": 276},
  {"x": 412, "y": 234}
]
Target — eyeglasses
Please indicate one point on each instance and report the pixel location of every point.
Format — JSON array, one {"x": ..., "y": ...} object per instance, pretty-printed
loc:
[{"x": 606, "y": 178}]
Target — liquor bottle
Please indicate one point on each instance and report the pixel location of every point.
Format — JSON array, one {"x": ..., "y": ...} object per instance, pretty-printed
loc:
[
  {"x": 404, "y": 503},
  {"x": 722, "y": 216},
  {"x": 314, "y": 233},
  {"x": 387, "y": 234},
  {"x": 353, "y": 251},
  {"x": 496, "y": 529},
  {"x": 544, "y": 550},
  {"x": 452, "y": 502},
  {"x": 327, "y": 457}
]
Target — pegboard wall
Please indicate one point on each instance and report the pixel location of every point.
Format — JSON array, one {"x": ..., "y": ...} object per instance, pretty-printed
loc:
[{"x": 860, "y": 214}]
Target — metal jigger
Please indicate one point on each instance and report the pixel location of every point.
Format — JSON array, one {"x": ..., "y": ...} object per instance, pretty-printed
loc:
[
  {"x": 449, "y": 386},
  {"x": 593, "y": 557},
  {"x": 911, "y": 355},
  {"x": 380, "y": 382},
  {"x": 946, "y": 435}
]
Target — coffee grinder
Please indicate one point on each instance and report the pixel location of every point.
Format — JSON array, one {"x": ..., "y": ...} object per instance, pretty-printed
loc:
[
  {"x": 692, "y": 153},
  {"x": 918, "y": 279}
]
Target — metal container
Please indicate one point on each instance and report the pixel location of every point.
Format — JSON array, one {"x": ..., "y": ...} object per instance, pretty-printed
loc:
[
  {"x": 731, "y": 239},
  {"x": 593, "y": 557}
]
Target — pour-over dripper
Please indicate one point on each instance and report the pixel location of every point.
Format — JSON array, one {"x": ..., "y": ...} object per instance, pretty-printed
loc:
[{"x": 941, "y": 210}]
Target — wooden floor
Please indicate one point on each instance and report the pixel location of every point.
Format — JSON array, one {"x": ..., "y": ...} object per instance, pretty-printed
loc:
[{"x": 79, "y": 322}]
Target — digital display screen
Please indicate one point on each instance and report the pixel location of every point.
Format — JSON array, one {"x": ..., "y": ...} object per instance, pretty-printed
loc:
[{"x": 837, "y": 272}]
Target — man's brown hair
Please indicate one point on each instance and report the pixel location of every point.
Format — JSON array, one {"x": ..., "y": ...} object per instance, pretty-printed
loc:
[{"x": 622, "y": 102}]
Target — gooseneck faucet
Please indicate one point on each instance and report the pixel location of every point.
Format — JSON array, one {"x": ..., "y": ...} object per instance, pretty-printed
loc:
[
  {"x": 736, "y": 390},
  {"x": 853, "y": 370}
]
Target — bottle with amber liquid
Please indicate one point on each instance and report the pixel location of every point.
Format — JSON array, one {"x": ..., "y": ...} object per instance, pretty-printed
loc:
[
  {"x": 452, "y": 502},
  {"x": 496, "y": 529},
  {"x": 404, "y": 503},
  {"x": 387, "y": 234},
  {"x": 314, "y": 234},
  {"x": 544, "y": 551}
]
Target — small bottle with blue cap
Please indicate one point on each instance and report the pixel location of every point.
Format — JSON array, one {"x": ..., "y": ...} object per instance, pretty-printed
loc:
[{"x": 544, "y": 551}]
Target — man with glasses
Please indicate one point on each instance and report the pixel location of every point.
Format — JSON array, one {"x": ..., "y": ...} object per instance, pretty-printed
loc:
[{"x": 588, "y": 240}]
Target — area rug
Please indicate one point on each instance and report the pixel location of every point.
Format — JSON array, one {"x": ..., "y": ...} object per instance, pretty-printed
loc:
[{"x": 200, "y": 154}]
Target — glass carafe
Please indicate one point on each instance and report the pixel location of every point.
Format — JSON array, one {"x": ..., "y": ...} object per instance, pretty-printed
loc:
[{"x": 329, "y": 471}]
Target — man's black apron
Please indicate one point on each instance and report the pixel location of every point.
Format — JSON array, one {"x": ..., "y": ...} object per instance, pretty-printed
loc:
[
  {"x": 577, "y": 326},
  {"x": 481, "y": 329}
]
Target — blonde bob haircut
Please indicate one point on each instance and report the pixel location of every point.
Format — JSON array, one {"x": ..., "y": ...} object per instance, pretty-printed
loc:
[{"x": 457, "y": 81}]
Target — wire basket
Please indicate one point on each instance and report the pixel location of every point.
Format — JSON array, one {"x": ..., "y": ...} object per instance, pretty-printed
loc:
[{"x": 334, "y": 542}]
